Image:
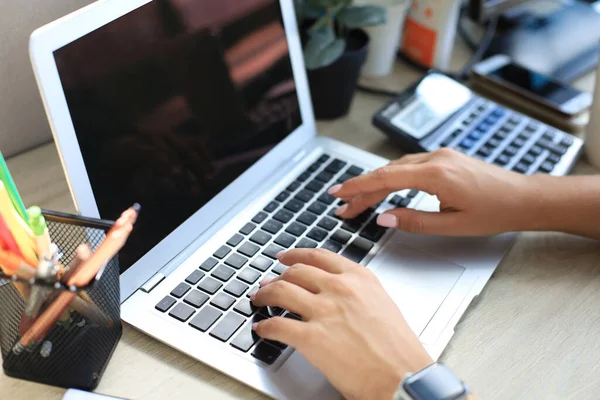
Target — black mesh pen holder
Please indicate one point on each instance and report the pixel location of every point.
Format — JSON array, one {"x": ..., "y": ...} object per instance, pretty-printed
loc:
[{"x": 74, "y": 352}]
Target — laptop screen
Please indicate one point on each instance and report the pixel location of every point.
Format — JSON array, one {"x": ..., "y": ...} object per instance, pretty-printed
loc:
[{"x": 175, "y": 100}]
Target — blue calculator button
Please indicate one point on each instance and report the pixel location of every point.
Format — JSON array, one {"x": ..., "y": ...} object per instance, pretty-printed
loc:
[
  {"x": 467, "y": 143},
  {"x": 476, "y": 135},
  {"x": 499, "y": 112},
  {"x": 484, "y": 127},
  {"x": 491, "y": 119}
]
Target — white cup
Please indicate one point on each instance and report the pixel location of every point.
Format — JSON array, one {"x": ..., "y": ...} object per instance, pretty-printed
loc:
[{"x": 592, "y": 136}]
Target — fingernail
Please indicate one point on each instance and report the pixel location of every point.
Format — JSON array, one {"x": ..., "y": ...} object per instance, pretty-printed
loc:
[
  {"x": 334, "y": 189},
  {"x": 254, "y": 326},
  {"x": 264, "y": 282},
  {"x": 341, "y": 210},
  {"x": 387, "y": 220},
  {"x": 280, "y": 254}
]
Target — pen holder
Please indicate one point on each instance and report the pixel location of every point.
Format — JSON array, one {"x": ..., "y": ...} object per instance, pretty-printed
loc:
[{"x": 75, "y": 351}]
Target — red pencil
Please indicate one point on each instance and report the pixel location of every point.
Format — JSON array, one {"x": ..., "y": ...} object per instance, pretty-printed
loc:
[{"x": 8, "y": 239}]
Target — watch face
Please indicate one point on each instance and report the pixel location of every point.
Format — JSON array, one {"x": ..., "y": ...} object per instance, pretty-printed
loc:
[{"x": 435, "y": 382}]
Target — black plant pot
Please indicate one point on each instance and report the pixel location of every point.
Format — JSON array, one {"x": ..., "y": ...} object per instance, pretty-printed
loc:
[{"x": 332, "y": 87}]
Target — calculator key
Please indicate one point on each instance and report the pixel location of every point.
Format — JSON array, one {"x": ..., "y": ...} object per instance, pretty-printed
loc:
[
  {"x": 553, "y": 148},
  {"x": 194, "y": 277},
  {"x": 284, "y": 216},
  {"x": 343, "y": 178},
  {"x": 518, "y": 142},
  {"x": 332, "y": 246},
  {"x": 527, "y": 159},
  {"x": 535, "y": 151},
  {"x": 222, "y": 301},
  {"x": 293, "y": 186},
  {"x": 282, "y": 196},
  {"x": 181, "y": 312},
  {"x": 532, "y": 127},
  {"x": 245, "y": 307},
  {"x": 210, "y": 285},
  {"x": 165, "y": 304},
  {"x": 279, "y": 269},
  {"x": 317, "y": 234},
  {"x": 272, "y": 250},
  {"x": 261, "y": 237},
  {"x": 246, "y": 338},
  {"x": 196, "y": 298},
  {"x": 272, "y": 226},
  {"x": 223, "y": 273},
  {"x": 303, "y": 177},
  {"x": 317, "y": 208},
  {"x": 222, "y": 252},
  {"x": 314, "y": 167},
  {"x": 467, "y": 143},
  {"x": 327, "y": 223},
  {"x": 323, "y": 158},
  {"x": 237, "y": 261},
  {"x": 499, "y": 112},
  {"x": 324, "y": 176},
  {"x": 515, "y": 119},
  {"x": 294, "y": 205},
  {"x": 327, "y": 198},
  {"x": 304, "y": 196},
  {"x": 493, "y": 143},
  {"x": 476, "y": 135},
  {"x": 354, "y": 170},
  {"x": 296, "y": 229},
  {"x": 247, "y": 229},
  {"x": 484, "y": 151},
  {"x": 227, "y": 326},
  {"x": 235, "y": 240},
  {"x": 306, "y": 244},
  {"x": 180, "y": 290},
  {"x": 566, "y": 141},
  {"x": 285, "y": 240},
  {"x": 260, "y": 217},
  {"x": 502, "y": 160},
  {"x": 252, "y": 291},
  {"x": 358, "y": 249},
  {"x": 205, "y": 318},
  {"x": 266, "y": 353},
  {"x": 307, "y": 218},
  {"x": 236, "y": 288},
  {"x": 261, "y": 263},
  {"x": 554, "y": 158},
  {"x": 521, "y": 168},
  {"x": 272, "y": 206},
  {"x": 546, "y": 167},
  {"x": 341, "y": 236},
  {"x": 208, "y": 264},
  {"x": 314, "y": 186},
  {"x": 446, "y": 142},
  {"x": 249, "y": 275},
  {"x": 510, "y": 151},
  {"x": 335, "y": 166}
]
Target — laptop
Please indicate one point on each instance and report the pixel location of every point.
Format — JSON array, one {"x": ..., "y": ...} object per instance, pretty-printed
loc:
[{"x": 201, "y": 112}]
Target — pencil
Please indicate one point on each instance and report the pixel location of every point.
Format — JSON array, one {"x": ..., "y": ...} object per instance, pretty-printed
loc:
[
  {"x": 19, "y": 229},
  {"x": 13, "y": 193}
]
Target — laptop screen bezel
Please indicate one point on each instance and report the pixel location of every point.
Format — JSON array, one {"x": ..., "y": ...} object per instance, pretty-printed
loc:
[{"x": 46, "y": 40}]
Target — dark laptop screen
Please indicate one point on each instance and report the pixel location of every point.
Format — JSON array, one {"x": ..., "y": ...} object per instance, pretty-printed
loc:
[{"x": 175, "y": 100}]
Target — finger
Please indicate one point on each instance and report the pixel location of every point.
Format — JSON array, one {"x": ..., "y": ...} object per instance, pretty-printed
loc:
[
  {"x": 360, "y": 203},
  {"x": 280, "y": 329},
  {"x": 285, "y": 295},
  {"x": 413, "y": 221},
  {"x": 306, "y": 276},
  {"x": 319, "y": 258},
  {"x": 390, "y": 178}
]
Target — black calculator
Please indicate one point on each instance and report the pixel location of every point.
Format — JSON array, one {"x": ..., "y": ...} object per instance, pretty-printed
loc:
[{"x": 440, "y": 112}]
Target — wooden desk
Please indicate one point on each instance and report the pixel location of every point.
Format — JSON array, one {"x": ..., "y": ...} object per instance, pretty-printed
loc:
[{"x": 532, "y": 334}]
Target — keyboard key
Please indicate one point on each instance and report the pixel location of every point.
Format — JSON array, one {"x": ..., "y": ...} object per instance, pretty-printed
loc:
[
  {"x": 237, "y": 261},
  {"x": 282, "y": 196},
  {"x": 248, "y": 228},
  {"x": 327, "y": 198},
  {"x": 272, "y": 206},
  {"x": 279, "y": 345},
  {"x": 165, "y": 304},
  {"x": 249, "y": 276},
  {"x": 344, "y": 178},
  {"x": 210, "y": 285},
  {"x": 307, "y": 218},
  {"x": 235, "y": 239},
  {"x": 372, "y": 231},
  {"x": 294, "y": 205},
  {"x": 535, "y": 151},
  {"x": 260, "y": 217},
  {"x": 303, "y": 177},
  {"x": 279, "y": 269},
  {"x": 412, "y": 194},
  {"x": 296, "y": 229},
  {"x": 285, "y": 240},
  {"x": 332, "y": 246},
  {"x": 554, "y": 158},
  {"x": 245, "y": 307},
  {"x": 194, "y": 277},
  {"x": 181, "y": 312},
  {"x": 354, "y": 170},
  {"x": 272, "y": 251},
  {"x": 261, "y": 237},
  {"x": 324, "y": 176},
  {"x": 205, "y": 318},
  {"x": 332, "y": 214},
  {"x": 306, "y": 244},
  {"x": 404, "y": 202},
  {"x": 335, "y": 166},
  {"x": 266, "y": 353},
  {"x": 227, "y": 326},
  {"x": 341, "y": 236},
  {"x": 272, "y": 226},
  {"x": 521, "y": 168},
  {"x": 261, "y": 263},
  {"x": 223, "y": 273},
  {"x": 357, "y": 250},
  {"x": 314, "y": 186},
  {"x": 352, "y": 225},
  {"x": 317, "y": 208},
  {"x": 294, "y": 186},
  {"x": 196, "y": 298},
  {"x": 502, "y": 160},
  {"x": 292, "y": 316},
  {"x": 327, "y": 223},
  {"x": 222, "y": 252},
  {"x": 247, "y": 249},
  {"x": 528, "y": 159},
  {"x": 247, "y": 338},
  {"x": 222, "y": 301},
  {"x": 546, "y": 167},
  {"x": 236, "y": 288},
  {"x": 304, "y": 196},
  {"x": 323, "y": 158},
  {"x": 208, "y": 264},
  {"x": 180, "y": 290},
  {"x": 252, "y": 291},
  {"x": 317, "y": 234}
]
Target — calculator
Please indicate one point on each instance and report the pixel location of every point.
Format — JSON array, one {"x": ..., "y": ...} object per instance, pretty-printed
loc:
[{"x": 439, "y": 112}]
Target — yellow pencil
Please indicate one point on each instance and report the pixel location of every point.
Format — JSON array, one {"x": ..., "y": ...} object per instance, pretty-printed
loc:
[{"x": 19, "y": 229}]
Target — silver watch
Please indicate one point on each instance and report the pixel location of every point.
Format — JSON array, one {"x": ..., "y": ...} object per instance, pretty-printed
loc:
[{"x": 435, "y": 382}]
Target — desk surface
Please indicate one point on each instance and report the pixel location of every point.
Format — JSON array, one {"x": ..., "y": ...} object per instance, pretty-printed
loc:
[{"x": 531, "y": 334}]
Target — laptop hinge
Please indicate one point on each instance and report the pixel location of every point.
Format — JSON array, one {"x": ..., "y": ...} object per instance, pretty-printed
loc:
[{"x": 152, "y": 283}]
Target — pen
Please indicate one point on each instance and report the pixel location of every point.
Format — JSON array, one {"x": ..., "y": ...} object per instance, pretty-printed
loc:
[
  {"x": 38, "y": 296},
  {"x": 13, "y": 193},
  {"x": 12, "y": 264},
  {"x": 82, "y": 254},
  {"x": 40, "y": 231},
  {"x": 19, "y": 229}
]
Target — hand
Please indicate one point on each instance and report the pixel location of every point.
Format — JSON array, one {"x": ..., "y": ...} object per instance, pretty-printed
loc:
[
  {"x": 476, "y": 198},
  {"x": 351, "y": 330}
]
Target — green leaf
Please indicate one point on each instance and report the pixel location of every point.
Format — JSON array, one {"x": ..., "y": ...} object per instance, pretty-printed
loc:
[
  {"x": 321, "y": 23},
  {"x": 322, "y": 3},
  {"x": 357, "y": 17},
  {"x": 323, "y": 48}
]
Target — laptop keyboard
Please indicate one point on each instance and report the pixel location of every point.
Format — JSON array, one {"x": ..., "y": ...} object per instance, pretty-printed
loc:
[{"x": 215, "y": 298}]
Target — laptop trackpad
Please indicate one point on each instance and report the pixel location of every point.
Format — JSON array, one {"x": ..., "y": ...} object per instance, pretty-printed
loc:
[{"x": 418, "y": 282}]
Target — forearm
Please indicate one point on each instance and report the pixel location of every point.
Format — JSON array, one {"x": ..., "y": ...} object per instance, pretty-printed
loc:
[{"x": 564, "y": 204}]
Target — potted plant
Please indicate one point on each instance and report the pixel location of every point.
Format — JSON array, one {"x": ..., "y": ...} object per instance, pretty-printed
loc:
[{"x": 335, "y": 49}]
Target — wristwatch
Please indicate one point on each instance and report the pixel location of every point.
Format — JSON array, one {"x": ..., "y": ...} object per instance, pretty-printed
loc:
[{"x": 435, "y": 382}]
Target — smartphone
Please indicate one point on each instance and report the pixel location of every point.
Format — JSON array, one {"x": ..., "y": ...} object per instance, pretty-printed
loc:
[{"x": 500, "y": 70}]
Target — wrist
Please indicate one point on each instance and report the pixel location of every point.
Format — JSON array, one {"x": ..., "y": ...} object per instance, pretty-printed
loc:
[
  {"x": 399, "y": 370},
  {"x": 538, "y": 204}
]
